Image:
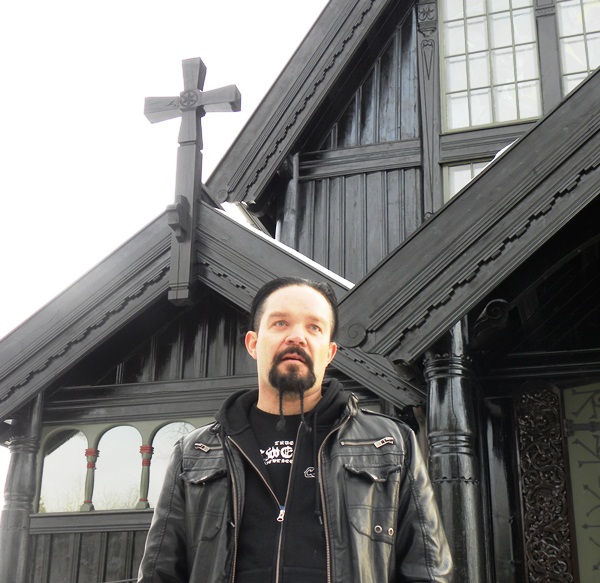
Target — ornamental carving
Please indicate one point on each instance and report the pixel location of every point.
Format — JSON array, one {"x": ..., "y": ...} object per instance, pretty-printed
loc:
[
  {"x": 427, "y": 18},
  {"x": 544, "y": 487}
]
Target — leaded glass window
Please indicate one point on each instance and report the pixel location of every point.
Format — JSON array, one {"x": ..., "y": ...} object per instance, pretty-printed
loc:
[
  {"x": 579, "y": 38},
  {"x": 489, "y": 62}
]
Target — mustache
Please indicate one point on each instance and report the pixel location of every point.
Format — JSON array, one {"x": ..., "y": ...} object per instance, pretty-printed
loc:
[{"x": 294, "y": 350}]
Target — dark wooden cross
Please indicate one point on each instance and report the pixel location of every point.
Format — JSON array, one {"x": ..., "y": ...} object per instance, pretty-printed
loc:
[{"x": 191, "y": 105}]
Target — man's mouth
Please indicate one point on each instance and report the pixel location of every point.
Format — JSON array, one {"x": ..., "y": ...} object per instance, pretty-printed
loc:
[{"x": 292, "y": 356}]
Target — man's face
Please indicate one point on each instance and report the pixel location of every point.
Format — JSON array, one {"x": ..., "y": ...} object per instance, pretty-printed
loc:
[{"x": 292, "y": 345}]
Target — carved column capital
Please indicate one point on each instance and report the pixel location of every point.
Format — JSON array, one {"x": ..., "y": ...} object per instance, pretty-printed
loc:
[{"x": 427, "y": 17}]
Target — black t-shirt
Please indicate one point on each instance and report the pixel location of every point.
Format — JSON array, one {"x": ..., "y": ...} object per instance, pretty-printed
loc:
[
  {"x": 276, "y": 447},
  {"x": 296, "y": 543}
]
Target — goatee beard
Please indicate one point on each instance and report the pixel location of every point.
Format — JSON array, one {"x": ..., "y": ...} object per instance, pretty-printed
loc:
[{"x": 290, "y": 381}]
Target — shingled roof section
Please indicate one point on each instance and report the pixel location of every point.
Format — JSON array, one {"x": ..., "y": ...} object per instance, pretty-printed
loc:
[{"x": 481, "y": 236}]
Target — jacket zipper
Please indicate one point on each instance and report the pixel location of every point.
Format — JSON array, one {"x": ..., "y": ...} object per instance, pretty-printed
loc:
[
  {"x": 378, "y": 443},
  {"x": 281, "y": 516},
  {"x": 322, "y": 491}
]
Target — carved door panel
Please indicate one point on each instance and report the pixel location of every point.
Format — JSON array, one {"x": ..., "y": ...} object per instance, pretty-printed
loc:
[{"x": 545, "y": 501}]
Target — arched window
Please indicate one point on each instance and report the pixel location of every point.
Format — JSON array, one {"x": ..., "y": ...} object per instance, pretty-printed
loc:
[
  {"x": 163, "y": 443},
  {"x": 64, "y": 472},
  {"x": 118, "y": 469}
]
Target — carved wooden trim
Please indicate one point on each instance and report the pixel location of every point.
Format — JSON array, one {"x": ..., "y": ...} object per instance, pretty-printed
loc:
[
  {"x": 429, "y": 96},
  {"x": 427, "y": 17},
  {"x": 508, "y": 212},
  {"x": 292, "y": 118},
  {"x": 62, "y": 350},
  {"x": 315, "y": 68},
  {"x": 544, "y": 486}
]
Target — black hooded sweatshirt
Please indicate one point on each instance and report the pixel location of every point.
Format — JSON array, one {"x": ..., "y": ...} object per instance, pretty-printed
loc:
[{"x": 293, "y": 546}]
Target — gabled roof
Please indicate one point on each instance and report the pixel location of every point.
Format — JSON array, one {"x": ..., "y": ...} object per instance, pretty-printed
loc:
[
  {"x": 232, "y": 260},
  {"x": 303, "y": 88},
  {"x": 481, "y": 236}
]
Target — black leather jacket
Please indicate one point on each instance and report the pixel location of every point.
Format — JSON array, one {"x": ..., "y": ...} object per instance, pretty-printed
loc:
[{"x": 381, "y": 520}]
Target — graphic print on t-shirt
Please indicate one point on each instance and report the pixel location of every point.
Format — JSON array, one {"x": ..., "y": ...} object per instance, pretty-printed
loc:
[{"x": 281, "y": 452}]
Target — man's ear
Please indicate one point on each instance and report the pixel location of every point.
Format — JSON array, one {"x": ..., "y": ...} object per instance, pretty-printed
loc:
[
  {"x": 332, "y": 350},
  {"x": 250, "y": 340}
]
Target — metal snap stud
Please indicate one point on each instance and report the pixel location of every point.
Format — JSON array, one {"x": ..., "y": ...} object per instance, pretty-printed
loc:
[
  {"x": 378, "y": 529},
  {"x": 391, "y": 531}
]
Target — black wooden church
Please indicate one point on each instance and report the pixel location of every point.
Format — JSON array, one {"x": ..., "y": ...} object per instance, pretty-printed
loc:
[{"x": 468, "y": 286}]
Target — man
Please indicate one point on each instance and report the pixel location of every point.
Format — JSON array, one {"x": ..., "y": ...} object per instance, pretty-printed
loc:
[{"x": 294, "y": 483}]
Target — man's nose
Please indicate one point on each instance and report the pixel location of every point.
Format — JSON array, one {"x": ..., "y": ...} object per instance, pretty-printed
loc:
[{"x": 296, "y": 336}]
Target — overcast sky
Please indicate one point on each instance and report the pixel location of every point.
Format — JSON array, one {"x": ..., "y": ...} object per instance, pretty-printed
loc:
[{"x": 82, "y": 170}]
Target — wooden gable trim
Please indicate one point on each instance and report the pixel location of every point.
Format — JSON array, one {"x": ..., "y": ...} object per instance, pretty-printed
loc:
[
  {"x": 481, "y": 236},
  {"x": 232, "y": 260},
  {"x": 84, "y": 315},
  {"x": 304, "y": 84}
]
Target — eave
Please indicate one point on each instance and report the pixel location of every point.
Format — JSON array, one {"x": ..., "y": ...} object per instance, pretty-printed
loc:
[
  {"x": 289, "y": 107},
  {"x": 481, "y": 236},
  {"x": 233, "y": 260}
]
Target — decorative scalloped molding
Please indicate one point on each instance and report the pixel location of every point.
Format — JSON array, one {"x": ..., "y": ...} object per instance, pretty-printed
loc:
[
  {"x": 99, "y": 323},
  {"x": 490, "y": 257},
  {"x": 293, "y": 118}
]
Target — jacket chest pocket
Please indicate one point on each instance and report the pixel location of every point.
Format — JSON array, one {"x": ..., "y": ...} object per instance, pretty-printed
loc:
[
  {"x": 206, "y": 496},
  {"x": 372, "y": 494}
]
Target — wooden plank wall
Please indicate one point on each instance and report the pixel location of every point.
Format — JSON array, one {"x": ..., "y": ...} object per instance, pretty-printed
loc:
[
  {"x": 359, "y": 197},
  {"x": 88, "y": 557},
  {"x": 350, "y": 223}
]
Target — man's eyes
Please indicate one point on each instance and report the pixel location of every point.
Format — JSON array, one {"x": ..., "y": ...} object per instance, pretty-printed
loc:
[{"x": 283, "y": 324}]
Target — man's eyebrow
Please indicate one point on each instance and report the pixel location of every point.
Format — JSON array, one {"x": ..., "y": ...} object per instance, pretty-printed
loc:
[{"x": 275, "y": 315}]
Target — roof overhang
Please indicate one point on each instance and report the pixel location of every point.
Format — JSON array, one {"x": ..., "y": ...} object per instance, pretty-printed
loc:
[
  {"x": 304, "y": 85},
  {"x": 481, "y": 236},
  {"x": 233, "y": 260}
]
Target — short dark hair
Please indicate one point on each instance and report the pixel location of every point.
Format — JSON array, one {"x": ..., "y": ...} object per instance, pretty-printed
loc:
[{"x": 258, "y": 303}]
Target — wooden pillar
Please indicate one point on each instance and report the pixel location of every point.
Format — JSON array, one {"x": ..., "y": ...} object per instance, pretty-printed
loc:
[
  {"x": 146, "y": 451},
  {"x": 91, "y": 456},
  {"x": 453, "y": 461},
  {"x": 19, "y": 494},
  {"x": 429, "y": 97}
]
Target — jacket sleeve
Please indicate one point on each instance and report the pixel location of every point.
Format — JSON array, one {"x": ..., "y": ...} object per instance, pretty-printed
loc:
[
  {"x": 423, "y": 555},
  {"x": 165, "y": 554}
]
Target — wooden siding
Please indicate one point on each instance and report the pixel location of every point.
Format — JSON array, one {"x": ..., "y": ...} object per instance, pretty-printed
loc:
[
  {"x": 350, "y": 223},
  {"x": 357, "y": 198},
  {"x": 384, "y": 109},
  {"x": 65, "y": 549},
  {"x": 202, "y": 342}
]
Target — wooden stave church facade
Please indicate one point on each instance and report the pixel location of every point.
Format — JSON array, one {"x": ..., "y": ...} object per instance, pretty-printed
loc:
[{"x": 459, "y": 317}]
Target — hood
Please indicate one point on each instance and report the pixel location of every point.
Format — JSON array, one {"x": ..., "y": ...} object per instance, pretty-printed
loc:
[{"x": 233, "y": 414}]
